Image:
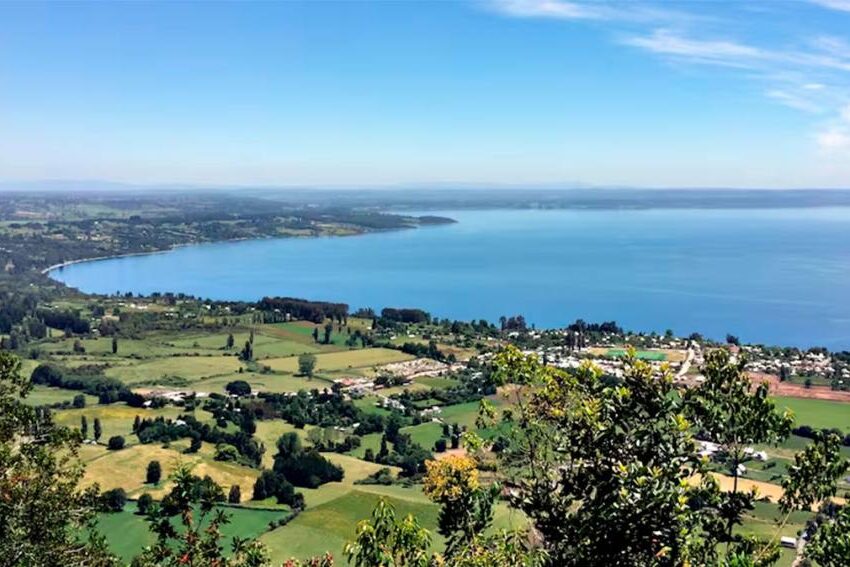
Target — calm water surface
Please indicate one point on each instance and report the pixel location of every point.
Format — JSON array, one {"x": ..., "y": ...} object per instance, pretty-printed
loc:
[{"x": 773, "y": 276}]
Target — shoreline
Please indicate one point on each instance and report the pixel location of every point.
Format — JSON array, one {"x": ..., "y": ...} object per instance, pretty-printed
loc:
[{"x": 46, "y": 271}]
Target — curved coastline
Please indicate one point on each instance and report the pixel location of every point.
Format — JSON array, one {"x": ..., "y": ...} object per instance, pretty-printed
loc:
[{"x": 47, "y": 271}]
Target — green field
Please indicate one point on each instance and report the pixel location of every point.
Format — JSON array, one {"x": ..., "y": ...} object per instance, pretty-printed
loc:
[
  {"x": 436, "y": 382},
  {"x": 45, "y": 395},
  {"x": 344, "y": 360},
  {"x": 187, "y": 367},
  {"x": 641, "y": 354},
  {"x": 127, "y": 532},
  {"x": 426, "y": 434},
  {"x": 115, "y": 419},
  {"x": 820, "y": 414},
  {"x": 463, "y": 414},
  {"x": 275, "y": 383},
  {"x": 329, "y": 526}
]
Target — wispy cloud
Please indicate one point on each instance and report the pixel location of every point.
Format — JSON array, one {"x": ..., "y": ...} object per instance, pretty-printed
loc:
[
  {"x": 794, "y": 100},
  {"x": 584, "y": 10},
  {"x": 841, "y": 5},
  {"x": 716, "y": 52},
  {"x": 807, "y": 73}
]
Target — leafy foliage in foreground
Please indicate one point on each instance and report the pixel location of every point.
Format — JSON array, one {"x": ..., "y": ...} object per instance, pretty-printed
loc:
[{"x": 42, "y": 509}]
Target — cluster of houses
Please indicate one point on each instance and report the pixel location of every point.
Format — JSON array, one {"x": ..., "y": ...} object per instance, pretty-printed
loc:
[
  {"x": 564, "y": 357},
  {"x": 812, "y": 363}
]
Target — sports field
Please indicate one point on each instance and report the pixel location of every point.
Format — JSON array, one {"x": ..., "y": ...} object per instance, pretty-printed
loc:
[{"x": 641, "y": 354}]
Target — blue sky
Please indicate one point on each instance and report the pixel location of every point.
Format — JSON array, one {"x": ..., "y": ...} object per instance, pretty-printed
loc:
[{"x": 507, "y": 92}]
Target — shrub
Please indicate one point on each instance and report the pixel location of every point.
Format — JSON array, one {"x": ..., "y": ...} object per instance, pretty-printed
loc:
[
  {"x": 113, "y": 500},
  {"x": 115, "y": 443},
  {"x": 154, "y": 472},
  {"x": 144, "y": 503},
  {"x": 238, "y": 388}
]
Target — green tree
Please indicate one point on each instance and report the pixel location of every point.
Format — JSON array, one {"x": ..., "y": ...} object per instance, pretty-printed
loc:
[
  {"x": 230, "y": 341},
  {"x": 247, "y": 353},
  {"x": 466, "y": 506},
  {"x": 197, "y": 540},
  {"x": 84, "y": 426},
  {"x": 45, "y": 518},
  {"x": 115, "y": 443},
  {"x": 733, "y": 413},
  {"x": 238, "y": 388},
  {"x": 153, "y": 474},
  {"x": 235, "y": 494},
  {"x": 98, "y": 431},
  {"x": 113, "y": 500},
  {"x": 79, "y": 401},
  {"x": 114, "y": 345},
  {"x": 306, "y": 364},
  {"x": 329, "y": 327},
  {"x": 602, "y": 469},
  {"x": 143, "y": 505},
  {"x": 384, "y": 541}
]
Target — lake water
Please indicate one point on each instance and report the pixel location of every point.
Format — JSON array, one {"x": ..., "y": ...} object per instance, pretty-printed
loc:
[{"x": 772, "y": 276}]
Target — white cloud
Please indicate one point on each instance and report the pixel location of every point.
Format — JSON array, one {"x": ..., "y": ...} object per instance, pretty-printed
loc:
[
  {"x": 793, "y": 100},
  {"x": 809, "y": 72},
  {"x": 558, "y": 9},
  {"x": 833, "y": 139},
  {"x": 585, "y": 10},
  {"x": 841, "y": 5},
  {"x": 717, "y": 52}
]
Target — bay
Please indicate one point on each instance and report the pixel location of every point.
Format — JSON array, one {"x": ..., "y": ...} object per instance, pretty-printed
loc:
[{"x": 776, "y": 276}]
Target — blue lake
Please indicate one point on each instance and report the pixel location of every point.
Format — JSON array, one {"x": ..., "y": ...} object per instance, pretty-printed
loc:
[{"x": 774, "y": 276}]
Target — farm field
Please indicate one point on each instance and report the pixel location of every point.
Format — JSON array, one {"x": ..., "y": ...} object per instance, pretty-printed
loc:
[
  {"x": 274, "y": 383},
  {"x": 344, "y": 360},
  {"x": 115, "y": 419},
  {"x": 126, "y": 469},
  {"x": 127, "y": 532},
  {"x": 187, "y": 367},
  {"x": 820, "y": 414},
  {"x": 330, "y": 525},
  {"x": 436, "y": 382},
  {"x": 45, "y": 395}
]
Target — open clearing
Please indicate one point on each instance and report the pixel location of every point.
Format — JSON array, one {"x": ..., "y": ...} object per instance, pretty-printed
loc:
[
  {"x": 115, "y": 419},
  {"x": 126, "y": 469},
  {"x": 45, "y": 395},
  {"x": 820, "y": 414},
  {"x": 275, "y": 383},
  {"x": 342, "y": 360},
  {"x": 127, "y": 532},
  {"x": 188, "y": 367}
]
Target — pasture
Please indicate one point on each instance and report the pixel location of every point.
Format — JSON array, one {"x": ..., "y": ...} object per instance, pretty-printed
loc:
[
  {"x": 275, "y": 383},
  {"x": 126, "y": 469},
  {"x": 127, "y": 532},
  {"x": 344, "y": 360},
  {"x": 820, "y": 414},
  {"x": 187, "y": 367},
  {"x": 115, "y": 419},
  {"x": 45, "y": 395}
]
